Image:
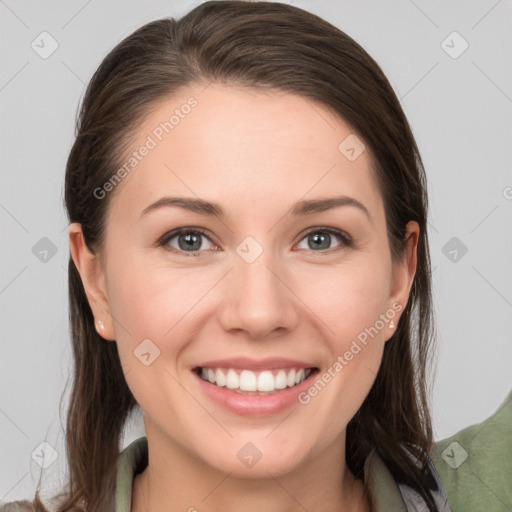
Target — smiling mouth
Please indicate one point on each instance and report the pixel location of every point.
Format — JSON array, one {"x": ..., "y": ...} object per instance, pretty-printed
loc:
[{"x": 249, "y": 382}]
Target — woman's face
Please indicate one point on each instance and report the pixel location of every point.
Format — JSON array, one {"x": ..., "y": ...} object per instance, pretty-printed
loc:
[{"x": 261, "y": 289}]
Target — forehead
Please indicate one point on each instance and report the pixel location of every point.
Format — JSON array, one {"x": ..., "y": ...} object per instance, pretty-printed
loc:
[{"x": 239, "y": 147}]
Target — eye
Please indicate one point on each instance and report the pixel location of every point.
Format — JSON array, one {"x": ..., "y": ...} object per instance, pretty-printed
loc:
[
  {"x": 190, "y": 241},
  {"x": 321, "y": 239},
  {"x": 186, "y": 240}
]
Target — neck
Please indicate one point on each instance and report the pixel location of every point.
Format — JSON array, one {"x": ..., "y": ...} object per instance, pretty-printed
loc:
[{"x": 175, "y": 481}]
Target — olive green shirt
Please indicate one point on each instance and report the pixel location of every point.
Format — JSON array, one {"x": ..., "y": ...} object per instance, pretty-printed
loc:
[{"x": 474, "y": 465}]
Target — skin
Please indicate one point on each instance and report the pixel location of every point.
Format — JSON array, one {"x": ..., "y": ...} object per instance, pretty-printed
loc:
[{"x": 256, "y": 154}]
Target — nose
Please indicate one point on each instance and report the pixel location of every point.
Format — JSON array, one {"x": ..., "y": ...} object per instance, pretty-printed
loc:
[{"x": 257, "y": 299}]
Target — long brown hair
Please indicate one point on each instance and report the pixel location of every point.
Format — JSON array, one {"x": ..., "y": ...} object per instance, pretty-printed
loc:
[{"x": 262, "y": 45}]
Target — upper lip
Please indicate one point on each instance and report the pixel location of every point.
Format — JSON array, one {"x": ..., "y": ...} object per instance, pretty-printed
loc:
[{"x": 245, "y": 363}]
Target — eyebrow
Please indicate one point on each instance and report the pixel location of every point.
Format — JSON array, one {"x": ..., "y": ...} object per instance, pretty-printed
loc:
[{"x": 304, "y": 207}]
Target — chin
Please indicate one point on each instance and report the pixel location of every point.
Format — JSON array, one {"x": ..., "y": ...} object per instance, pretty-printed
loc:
[{"x": 255, "y": 459}]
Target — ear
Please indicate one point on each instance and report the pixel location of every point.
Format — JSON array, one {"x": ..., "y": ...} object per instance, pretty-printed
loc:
[
  {"x": 404, "y": 270},
  {"x": 93, "y": 279}
]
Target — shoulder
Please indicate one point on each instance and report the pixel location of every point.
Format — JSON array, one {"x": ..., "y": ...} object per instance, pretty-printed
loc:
[
  {"x": 475, "y": 464},
  {"x": 17, "y": 506}
]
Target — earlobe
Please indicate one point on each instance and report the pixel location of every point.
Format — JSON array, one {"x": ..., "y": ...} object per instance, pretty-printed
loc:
[{"x": 92, "y": 274}]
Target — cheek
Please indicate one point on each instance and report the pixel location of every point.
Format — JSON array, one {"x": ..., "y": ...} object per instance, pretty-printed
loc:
[
  {"x": 148, "y": 298},
  {"x": 348, "y": 303},
  {"x": 149, "y": 303},
  {"x": 354, "y": 338},
  {"x": 347, "y": 298}
]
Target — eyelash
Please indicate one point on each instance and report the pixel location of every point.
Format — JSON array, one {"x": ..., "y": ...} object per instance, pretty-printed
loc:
[{"x": 346, "y": 240}]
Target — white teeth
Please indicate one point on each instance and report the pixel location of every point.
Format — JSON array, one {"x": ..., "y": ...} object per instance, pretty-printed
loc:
[
  {"x": 246, "y": 380},
  {"x": 266, "y": 381},
  {"x": 281, "y": 380},
  {"x": 220, "y": 378},
  {"x": 232, "y": 380}
]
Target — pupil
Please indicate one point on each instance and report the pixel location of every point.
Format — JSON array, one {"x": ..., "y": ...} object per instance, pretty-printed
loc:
[
  {"x": 320, "y": 240},
  {"x": 191, "y": 242},
  {"x": 324, "y": 238}
]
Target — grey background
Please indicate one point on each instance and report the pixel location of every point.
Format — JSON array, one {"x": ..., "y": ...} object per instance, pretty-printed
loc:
[{"x": 460, "y": 112}]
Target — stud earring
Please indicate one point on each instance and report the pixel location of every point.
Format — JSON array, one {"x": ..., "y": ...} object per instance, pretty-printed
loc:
[
  {"x": 391, "y": 324},
  {"x": 101, "y": 325}
]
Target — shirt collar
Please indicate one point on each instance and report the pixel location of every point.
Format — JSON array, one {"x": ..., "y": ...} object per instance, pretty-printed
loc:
[
  {"x": 132, "y": 460},
  {"x": 384, "y": 491}
]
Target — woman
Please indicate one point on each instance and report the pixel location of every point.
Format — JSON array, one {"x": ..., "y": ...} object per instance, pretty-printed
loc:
[{"x": 249, "y": 266}]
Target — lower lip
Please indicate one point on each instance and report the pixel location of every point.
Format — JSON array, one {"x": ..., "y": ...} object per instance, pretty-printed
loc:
[{"x": 255, "y": 405}]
